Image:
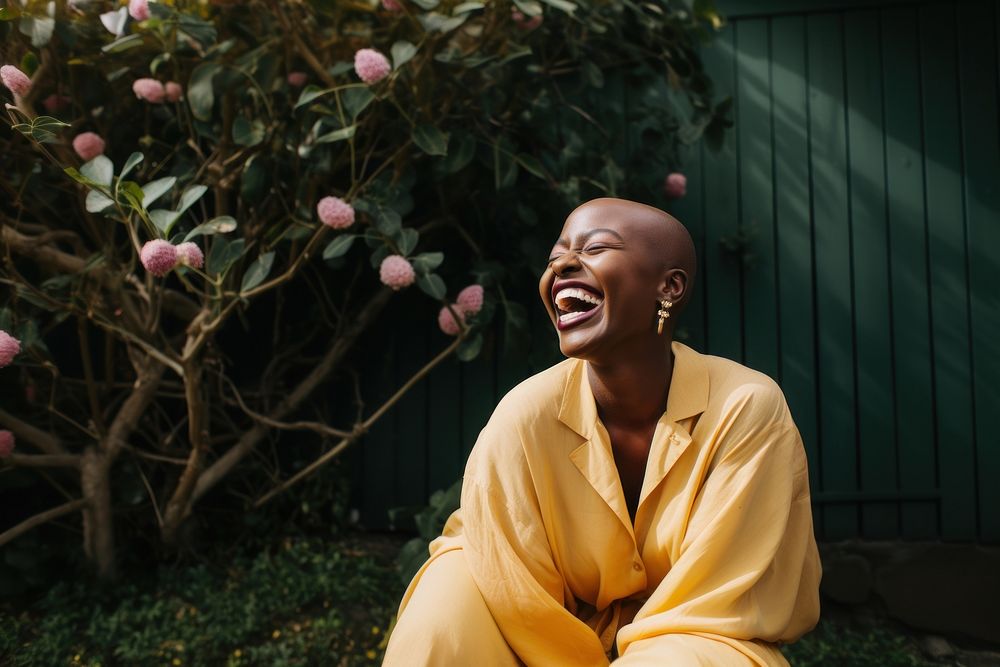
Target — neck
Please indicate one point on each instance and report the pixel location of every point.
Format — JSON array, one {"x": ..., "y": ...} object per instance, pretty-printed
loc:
[{"x": 632, "y": 388}]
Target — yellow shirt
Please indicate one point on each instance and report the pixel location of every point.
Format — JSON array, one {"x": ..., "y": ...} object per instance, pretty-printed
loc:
[{"x": 722, "y": 546}]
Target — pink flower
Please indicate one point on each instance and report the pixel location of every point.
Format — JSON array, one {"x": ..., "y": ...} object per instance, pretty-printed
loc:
[
  {"x": 371, "y": 65},
  {"x": 88, "y": 145},
  {"x": 10, "y": 347},
  {"x": 15, "y": 80},
  {"x": 675, "y": 185},
  {"x": 447, "y": 322},
  {"x": 159, "y": 257},
  {"x": 396, "y": 272},
  {"x": 138, "y": 9},
  {"x": 6, "y": 444},
  {"x": 335, "y": 212},
  {"x": 297, "y": 79},
  {"x": 56, "y": 102},
  {"x": 150, "y": 90},
  {"x": 173, "y": 91},
  {"x": 523, "y": 22},
  {"x": 470, "y": 299},
  {"x": 190, "y": 254},
  {"x": 392, "y": 6}
]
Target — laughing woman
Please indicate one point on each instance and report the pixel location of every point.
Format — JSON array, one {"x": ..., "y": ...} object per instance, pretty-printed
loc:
[{"x": 638, "y": 503}]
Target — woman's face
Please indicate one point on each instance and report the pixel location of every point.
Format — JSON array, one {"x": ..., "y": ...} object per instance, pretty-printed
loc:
[{"x": 603, "y": 280}]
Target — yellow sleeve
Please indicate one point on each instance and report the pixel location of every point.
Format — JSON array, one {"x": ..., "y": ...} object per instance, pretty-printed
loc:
[
  {"x": 510, "y": 557},
  {"x": 748, "y": 567}
]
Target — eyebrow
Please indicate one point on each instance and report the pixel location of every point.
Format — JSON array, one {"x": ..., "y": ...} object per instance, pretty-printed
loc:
[{"x": 592, "y": 232}]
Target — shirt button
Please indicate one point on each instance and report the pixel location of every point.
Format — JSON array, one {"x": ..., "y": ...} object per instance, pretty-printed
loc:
[{"x": 637, "y": 566}]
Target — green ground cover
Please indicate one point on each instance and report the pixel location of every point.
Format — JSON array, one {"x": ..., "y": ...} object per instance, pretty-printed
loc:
[{"x": 301, "y": 601}]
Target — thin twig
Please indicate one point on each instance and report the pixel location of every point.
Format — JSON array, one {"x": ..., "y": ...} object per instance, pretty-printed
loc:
[{"x": 39, "y": 519}]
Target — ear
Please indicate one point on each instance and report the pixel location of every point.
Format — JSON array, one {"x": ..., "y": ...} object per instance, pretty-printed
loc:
[{"x": 675, "y": 285}]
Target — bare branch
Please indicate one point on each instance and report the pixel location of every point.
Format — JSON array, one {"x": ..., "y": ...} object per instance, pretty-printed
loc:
[
  {"x": 46, "y": 442},
  {"x": 41, "y": 461},
  {"x": 287, "y": 426},
  {"x": 39, "y": 519}
]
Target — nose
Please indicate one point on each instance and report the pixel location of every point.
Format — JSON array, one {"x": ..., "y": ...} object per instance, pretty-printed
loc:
[{"x": 565, "y": 262}]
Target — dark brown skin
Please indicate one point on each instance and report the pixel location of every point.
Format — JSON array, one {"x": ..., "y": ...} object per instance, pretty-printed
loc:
[{"x": 639, "y": 256}]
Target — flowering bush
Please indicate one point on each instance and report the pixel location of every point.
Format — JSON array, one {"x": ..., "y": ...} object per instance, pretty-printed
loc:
[{"x": 187, "y": 183}]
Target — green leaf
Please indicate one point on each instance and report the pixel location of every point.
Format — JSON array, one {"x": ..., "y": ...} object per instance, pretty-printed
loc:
[
  {"x": 504, "y": 168},
  {"x": 200, "y": 93},
  {"x": 337, "y": 135},
  {"x": 73, "y": 173},
  {"x": 432, "y": 285},
  {"x": 254, "y": 180},
  {"x": 470, "y": 348},
  {"x": 387, "y": 220},
  {"x": 42, "y": 129},
  {"x": 38, "y": 28},
  {"x": 426, "y": 262},
  {"x": 97, "y": 201},
  {"x": 9, "y": 13},
  {"x": 220, "y": 225},
  {"x": 355, "y": 100},
  {"x": 402, "y": 52},
  {"x": 223, "y": 254},
  {"x": 562, "y": 5},
  {"x": 427, "y": 4},
  {"x": 190, "y": 195},
  {"x": 99, "y": 170},
  {"x": 247, "y": 133},
  {"x": 123, "y": 43},
  {"x": 463, "y": 149},
  {"x": 133, "y": 159},
  {"x": 529, "y": 7},
  {"x": 164, "y": 219},
  {"x": 406, "y": 240},
  {"x": 532, "y": 165},
  {"x": 310, "y": 93},
  {"x": 132, "y": 193},
  {"x": 430, "y": 139},
  {"x": 339, "y": 246},
  {"x": 466, "y": 7},
  {"x": 155, "y": 189},
  {"x": 257, "y": 272}
]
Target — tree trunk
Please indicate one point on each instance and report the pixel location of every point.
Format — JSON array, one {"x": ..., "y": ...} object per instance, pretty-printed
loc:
[{"x": 98, "y": 526}]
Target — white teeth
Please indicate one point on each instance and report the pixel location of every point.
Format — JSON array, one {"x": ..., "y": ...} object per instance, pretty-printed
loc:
[{"x": 575, "y": 293}]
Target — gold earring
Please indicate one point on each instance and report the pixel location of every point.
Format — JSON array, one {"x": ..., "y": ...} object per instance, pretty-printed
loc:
[{"x": 664, "y": 313}]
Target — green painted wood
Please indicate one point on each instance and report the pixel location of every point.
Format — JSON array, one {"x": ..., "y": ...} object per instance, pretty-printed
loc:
[
  {"x": 981, "y": 164},
  {"x": 948, "y": 284},
  {"x": 477, "y": 399},
  {"x": 911, "y": 342},
  {"x": 410, "y": 414},
  {"x": 797, "y": 370},
  {"x": 444, "y": 421},
  {"x": 756, "y": 188},
  {"x": 690, "y": 211},
  {"x": 379, "y": 443},
  {"x": 721, "y": 205},
  {"x": 832, "y": 233},
  {"x": 871, "y": 271}
]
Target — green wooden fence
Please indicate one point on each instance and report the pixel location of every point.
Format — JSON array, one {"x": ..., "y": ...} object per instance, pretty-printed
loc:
[{"x": 849, "y": 235}]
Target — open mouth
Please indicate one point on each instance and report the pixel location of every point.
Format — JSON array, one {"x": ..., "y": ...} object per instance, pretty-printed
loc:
[{"x": 574, "y": 305}]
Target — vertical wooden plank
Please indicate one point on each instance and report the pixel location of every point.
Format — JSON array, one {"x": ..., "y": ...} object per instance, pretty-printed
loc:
[
  {"x": 948, "y": 285},
  {"x": 834, "y": 309},
  {"x": 410, "y": 442},
  {"x": 794, "y": 255},
  {"x": 477, "y": 399},
  {"x": 380, "y": 473},
  {"x": 981, "y": 151},
  {"x": 690, "y": 327},
  {"x": 870, "y": 251},
  {"x": 721, "y": 206},
  {"x": 444, "y": 422},
  {"x": 753, "y": 92},
  {"x": 914, "y": 400}
]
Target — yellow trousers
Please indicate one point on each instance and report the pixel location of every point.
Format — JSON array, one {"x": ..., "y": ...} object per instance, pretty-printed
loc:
[{"x": 446, "y": 623}]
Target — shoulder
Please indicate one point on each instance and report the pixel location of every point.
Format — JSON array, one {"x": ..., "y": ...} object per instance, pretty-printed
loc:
[
  {"x": 735, "y": 389},
  {"x": 537, "y": 399}
]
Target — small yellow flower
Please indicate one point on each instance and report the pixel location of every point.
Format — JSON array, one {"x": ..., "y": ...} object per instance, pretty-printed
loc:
[
  {"x": 375, "y": 630},
  {"x": 175, "y": 662},
  {"x": 76, "y": 658},
  {"x": 370, "y": 654},
  {"x": 237, "y": 653},
  {"x": 275, "y": 634}
]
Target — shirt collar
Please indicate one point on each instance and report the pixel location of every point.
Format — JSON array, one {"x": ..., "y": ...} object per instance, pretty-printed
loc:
[{"x": 688, "y": 396}]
